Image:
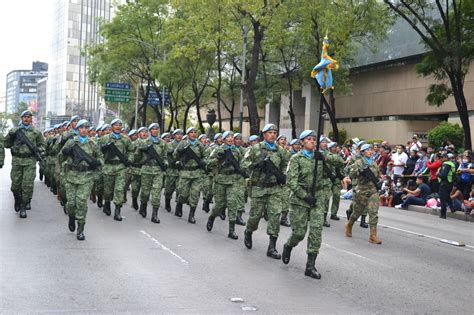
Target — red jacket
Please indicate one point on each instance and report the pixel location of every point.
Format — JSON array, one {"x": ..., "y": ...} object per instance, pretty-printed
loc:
[{"x": 433, "y": 167}]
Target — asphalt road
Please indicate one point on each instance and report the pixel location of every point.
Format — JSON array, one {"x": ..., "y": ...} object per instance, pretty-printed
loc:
[{"x": 135, "y": 266}]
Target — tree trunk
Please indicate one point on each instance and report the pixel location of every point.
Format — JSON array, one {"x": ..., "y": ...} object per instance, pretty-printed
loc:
[
  {"x": 185, "y": 118},
  {"x": 219, "y": 80},
  {"x": 331, "y": 109},
  {"x": 145, "y": 104},
  {"x": 291, "y": 111},
  {"x": 460, "y": 100}
]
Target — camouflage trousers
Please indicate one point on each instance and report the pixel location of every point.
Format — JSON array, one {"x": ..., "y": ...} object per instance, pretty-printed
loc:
[
  {"x": 325, "y": 195},
  {"x": 152, "y": 184},
  {"x": 366, "y": 202},
  {"x": 241, "y": 191},
  {"x": 99, "y": 183},
  {"x": 77, "y": 197},
  {"x": 23, "y": 178},
  {"x": 114, "y": 187},
  {"x": 303, "y": 217},
  {"x": 189, "y": 190},
  {"x": 136, "y": 183},
  {"x": 351, "y": 206},
  {"x": 336, "y": 198},
  {"x": 285, "y": 199},
  {"x": 208, "y": 187},
  {"x": 171, "y": 185},
  {"x": 226, "y": 196},
  {"x": 268, "y": 198}
]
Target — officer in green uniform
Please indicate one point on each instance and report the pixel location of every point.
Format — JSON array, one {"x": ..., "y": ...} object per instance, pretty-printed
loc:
[
  {"x": 306, "y": 209},
  {"x": 241, "y": 193},
  {"x": 367, "y": 193},
  {"x": 191, "y": 173},
  {"x": 336, "y": 163},
  {"x": 154, "y": 165},
  {"x": 285, "y": 196},
  {"x": 172, "y": 173},
  {"x": 23, "y": 170},
  {"x": 114, "y": 168},
  {"x": 227, "y": 182},
  {"x": 80, "y": 175},
  {"x": 266, "y": 190}
]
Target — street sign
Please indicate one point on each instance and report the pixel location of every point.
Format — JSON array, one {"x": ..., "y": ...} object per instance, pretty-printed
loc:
[
  {"x": 117, "y": 92},
  {"x": 117, "y": 99},
  {"x": 117, "y": 86}
]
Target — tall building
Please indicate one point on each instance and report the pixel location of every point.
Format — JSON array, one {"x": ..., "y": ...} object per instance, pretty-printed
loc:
[
  {"x": 41, "y": 100},
  {"x": 22, "y": 87},
  {"x": 76, "y": 26}
]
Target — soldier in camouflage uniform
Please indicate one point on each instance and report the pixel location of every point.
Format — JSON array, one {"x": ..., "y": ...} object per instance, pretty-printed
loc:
[
  {"x": 50, "y": 159},
  {"x": 190, "y": 174},
  {"x": 266, "y": 191},
  {"x": 367, "y": 194},
  {"x": 2, "y": 150},
  {"x": 80, "y": 176},
  {"x": 151, "y": 171},
  {"x": 172, "y": 173},
  {"x": 336, "y": 163},
  {"x": 206, "y": 180},
  {"x": 23, "y": 170},
  {"x": 306, "y": 209},
  {"x": 285, "y": 196},
  {"x": 227, "y": 182},
  {"x": 114, "y": 169},
  {"x": 241, "y": 193},
  {"x": 328, "y": 178},
  {"x": 133, "y": 136},
  {"x": 99, "y": 178}
]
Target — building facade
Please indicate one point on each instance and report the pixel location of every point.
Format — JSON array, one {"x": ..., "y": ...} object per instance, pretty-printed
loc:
[
  {"x": 76, "y": 26},
  {"x": 41, "y": 100}
]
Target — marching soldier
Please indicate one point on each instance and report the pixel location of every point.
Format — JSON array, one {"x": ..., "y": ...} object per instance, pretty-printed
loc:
[
  {"x": 26, "y": 144},
  {"x": 82, "y": 157},
  {"x": 133, "y": 136},
  {"x": 327, "y": 180},
  {"x": 263, "y": 159},
  {"x": 190, "y": 154},
  {"x": 295, "y": 146},
  {"x": 172, "y": 173},
  {"x": 99, "y": 180},
  {"x": 253, "y": 139},
  {"x": 306, "y": 209},
  {"x": 285, "y": 196},
  {"x": 151, "y": 154},
  {"x": 241, "y": 194},
  {"x": 207, "y": 180},
  {"x": 116, "y": 148},
  {"x": 366, "y": 171},
  {"x": 225, "y": 159},
  {"x": 2, "y": 150},
  {"x": 337, "y": 164}
]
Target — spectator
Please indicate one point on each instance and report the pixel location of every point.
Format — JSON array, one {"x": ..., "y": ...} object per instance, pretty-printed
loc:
[
  {"x": 377, "y": 151},
  {"x": 469, "y": 204},
  {"x": 415, "y": 144},
  {"x": 383, "y": 160},
  {"x": 433, "y": 166},
  {"x": 457, "y": 198},
  {"x": 398, "y": 160},
  {"x": 411, "y": 162},
  {"x": 465, "y": 171},
  {"x": 416, "y": 196},
  {"x": 420, "y": 166},
  {"x": 446, "y": 179},
  {"x": 399, "y": 193},
  {"x": 386, "y": 193}
]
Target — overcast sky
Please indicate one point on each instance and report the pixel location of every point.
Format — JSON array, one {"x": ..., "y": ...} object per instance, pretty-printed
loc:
[{"x": 25, "y": 27}]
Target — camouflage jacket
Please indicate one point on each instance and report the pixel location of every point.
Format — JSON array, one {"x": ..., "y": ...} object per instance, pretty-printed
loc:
[
  {"x": 21, "y": 154},
  {"x": 2, "y": 150},
  {"x": 255, "y": 155},
  {"x": 123, "y": 144},
  {"x": 149, "y": 165},
  {"x": 363, "y": 184},
  {"x": 225, "y": 172},
  {"x": 189, "y": 168},
  {"x": 80, "y": 173},
  {"x": 173, "y": 169}
]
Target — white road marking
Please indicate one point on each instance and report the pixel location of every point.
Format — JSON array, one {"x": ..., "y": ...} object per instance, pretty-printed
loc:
[
  {"x": 356, "y": 255},
  {"x": 163, "y": 247}
]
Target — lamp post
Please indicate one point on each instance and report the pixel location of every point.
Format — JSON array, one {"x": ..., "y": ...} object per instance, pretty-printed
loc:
[
  {"x": 245, "y": 30},
  {"x": 211, "y": 119}
]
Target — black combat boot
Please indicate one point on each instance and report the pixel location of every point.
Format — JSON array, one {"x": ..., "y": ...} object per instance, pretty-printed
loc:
[
  {"x": 168, "y": 204},
  {"x": 362, "y": 222},
  {"x": 80, "y": 232},
  {"x": 232, "y": 234},
  {"x": 41, "y": 176},
  {"x": 248, "y": 239},
  {"x": 154, "y": 215},
  {"x": 239, "y": 220},
  {"x": 142, "y": 210},
  {"x": 72, "y": 223},
  {"x": 311, "y": 270},
  {"x": 326, "y": 223},
  {"x": 205, "y": 205},
  {"x": 348, "y": 214},
  {"x": 222, "y": 215},
  {"x": 285, "y": 256},
  {"x": 334, "y": 217},
  {"x": 265, "y": 215},
  {"x": 284, "y": 219},
  {"x": 22, "y": 212},
  {"x": 99, "y": 201},
  {"x": 272, "y": 251},
  {"x": 117, "y": 216},
  {"x": 135, "y": 203},
  {"x": 107, "y": 209},
  {"x": 179, "y": 210},
  {"x": 28, "y": 206},
  {"x": 210, "y": 223},
  {"x": 17, "y": 201},
  {"x": 191, "y": 218},
  {"x": 46, "y": 181},
  {"x": 54, "y": 189}
]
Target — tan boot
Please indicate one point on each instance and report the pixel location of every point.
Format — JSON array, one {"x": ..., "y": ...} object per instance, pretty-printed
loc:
[
  {"x": 373, "y": 236},
  {"x": 349, "y": 227}
]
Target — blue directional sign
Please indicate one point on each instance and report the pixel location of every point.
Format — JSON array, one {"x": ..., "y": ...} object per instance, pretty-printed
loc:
[{"x": 118, "y": 86}]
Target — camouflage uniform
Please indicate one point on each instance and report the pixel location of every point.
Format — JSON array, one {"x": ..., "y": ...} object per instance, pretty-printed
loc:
[
  {"x": 2, "y": 151},
  {"x": 23, "y": 170},
  {"x": 336, "y": 163},
  {"x": 50, "y": 160},
  {"x": 326, "y": 184},
  {"x": 285, "y": 196},
  {"x": 134, "y": 173},
  {"x": 208, "y": 182},
  {"x": 172, "y": 174},
  {"x": 151, "y": 174},
  {"x": 241, "y": 194}
]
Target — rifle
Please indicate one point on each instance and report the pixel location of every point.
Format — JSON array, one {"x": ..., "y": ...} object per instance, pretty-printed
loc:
[
  {"x": 328, "y": 172},
  {"x": 369, "y": 175},
  {"x": 229, "y": 158},
  {"x": 80, "y": 155},
  {"x": 22, "y": 139},
  {"x": 270, "y": 169},
  {"x": 152, "y": 155},
  {"x": 189, "y": 154},
  {"x": 112, "y": 151}
]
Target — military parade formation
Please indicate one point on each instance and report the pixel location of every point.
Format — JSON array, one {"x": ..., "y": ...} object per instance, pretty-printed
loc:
[{"x": 294, "y": 184}]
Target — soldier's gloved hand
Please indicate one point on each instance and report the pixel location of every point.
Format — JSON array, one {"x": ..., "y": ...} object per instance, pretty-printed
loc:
[
  {"x": 319, "y": 156},
  {"x": 67, "y": 151},
  {"x": 95, "y": 164},
  {"x": 310, "y": 200},
  {"x": 259, "y": 164}
]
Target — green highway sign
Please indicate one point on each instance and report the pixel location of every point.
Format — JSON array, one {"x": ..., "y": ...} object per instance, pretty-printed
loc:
[
  {"x": 109, "y": 92},
  {"x": 117, "y": 99}
]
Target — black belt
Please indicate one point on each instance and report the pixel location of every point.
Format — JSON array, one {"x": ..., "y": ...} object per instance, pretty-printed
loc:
[
  {"x": 77, "y": 168},
  {"x": 22, "y": 155},
  {"x": 113, "y": 162}
]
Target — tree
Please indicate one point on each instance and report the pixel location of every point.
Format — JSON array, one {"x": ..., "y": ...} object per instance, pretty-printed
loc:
[
  {"x": 447, "y": 29},
  {"x": 439, "y": 135}
]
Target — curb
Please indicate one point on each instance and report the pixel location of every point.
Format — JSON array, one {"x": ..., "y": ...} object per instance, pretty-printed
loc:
[{"x": 459, "y": 215}]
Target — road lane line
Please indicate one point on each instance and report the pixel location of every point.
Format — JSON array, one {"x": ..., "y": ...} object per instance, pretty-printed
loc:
[
  {"x": 163, "y": 247},
  {"x": 356, "y": 255}
]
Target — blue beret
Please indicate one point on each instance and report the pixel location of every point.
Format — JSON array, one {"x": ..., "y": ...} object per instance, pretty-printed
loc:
[
  {"x": 164, "y": 135},
  {"x": 253, "y": 138},
  {"x": 142, "y": 129},
  {"x": 237, "y": 135},
  {"x": 190, "y": 129},
  {"x": 201, "y": 136},
  {"x": 177, "y": 131},
  {"x": 269, "y": 127},
  {"x": 105, "y": 126},
  {"x": 132, "y": 132},
  {"x": 57, "y": 126},
  {"x": 331, "y": 144},
  {"x": 26, "y": 113},
  {"x": 74, "y": 118},
  {"x": 226, "y": 134},
  {"x": 82, "y": 123},
  {"x": 153, "y": 125},
  {"x": 115, "y": 121},
  {"x": 294, "y": 141},
  {"x": 323, "y": 139},
  {"x": 281, "y": 136},
  {"x": 217, "y": 136},
  {"x": 365, "y": 147},
  {"x": 307, "y": 133}
]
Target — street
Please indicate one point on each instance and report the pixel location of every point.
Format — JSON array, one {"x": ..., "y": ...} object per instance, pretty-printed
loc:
[{"x": 135, "y": 266}]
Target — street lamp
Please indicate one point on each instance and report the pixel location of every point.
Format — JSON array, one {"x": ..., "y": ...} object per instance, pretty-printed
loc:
[
  {"x": 211, "y": 119},
  {"x": 245, "y": 30}
]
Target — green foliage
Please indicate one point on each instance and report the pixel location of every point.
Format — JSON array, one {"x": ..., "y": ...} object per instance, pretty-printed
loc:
[
  {"x": 444, "y": 132},
  {"x": 342, "y": 135},
  {"x": 372, "y": 141}
]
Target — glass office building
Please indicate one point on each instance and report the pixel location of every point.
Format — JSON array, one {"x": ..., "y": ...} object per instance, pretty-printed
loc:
[{"x": 76, "y": 26}]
